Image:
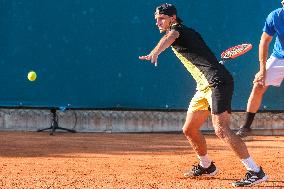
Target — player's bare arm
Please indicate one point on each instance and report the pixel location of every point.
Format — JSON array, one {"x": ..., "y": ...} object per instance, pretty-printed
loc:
[
  {"x": 263, "y": 54},
  {"x": 165, "y": 42}
]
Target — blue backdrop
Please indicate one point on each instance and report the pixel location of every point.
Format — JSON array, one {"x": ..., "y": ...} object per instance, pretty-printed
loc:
[{"x": 86, "y": 52}]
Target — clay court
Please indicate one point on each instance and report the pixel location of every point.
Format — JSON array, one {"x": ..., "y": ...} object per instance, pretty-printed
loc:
[{"x": 104, "y": 160}]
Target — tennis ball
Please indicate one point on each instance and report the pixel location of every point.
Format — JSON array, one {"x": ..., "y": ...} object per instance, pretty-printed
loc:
[{"x": 31, "y": 76}]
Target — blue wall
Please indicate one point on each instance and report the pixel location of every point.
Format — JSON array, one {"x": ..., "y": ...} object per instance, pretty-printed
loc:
[{"x": 86, "y": 52}]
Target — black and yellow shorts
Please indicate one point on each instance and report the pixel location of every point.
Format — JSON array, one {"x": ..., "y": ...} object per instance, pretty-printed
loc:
[{"x": 217, "y": 99}]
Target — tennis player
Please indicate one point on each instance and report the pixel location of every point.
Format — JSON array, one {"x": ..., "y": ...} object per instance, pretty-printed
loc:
[
  {"x": 214, "y": 93},
  {"x": 271, "y": 71}
]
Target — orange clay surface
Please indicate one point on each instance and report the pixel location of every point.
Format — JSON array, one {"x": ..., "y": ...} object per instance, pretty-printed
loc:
[{"x": 101, "y": 160}]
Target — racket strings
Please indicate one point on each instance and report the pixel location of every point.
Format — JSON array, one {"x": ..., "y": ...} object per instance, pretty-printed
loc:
[{"x": 235, "y": 51}]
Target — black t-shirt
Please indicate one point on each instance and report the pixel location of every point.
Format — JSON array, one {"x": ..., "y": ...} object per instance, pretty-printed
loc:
[{"x": 197, "y": 57}]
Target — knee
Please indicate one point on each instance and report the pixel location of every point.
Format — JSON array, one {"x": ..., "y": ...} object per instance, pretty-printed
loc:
[
  {"x": 187, "y": 130},
  {"x": 220, "y": 133}
]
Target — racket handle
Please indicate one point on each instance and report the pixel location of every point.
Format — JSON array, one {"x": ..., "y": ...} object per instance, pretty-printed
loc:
[{"x": 156, "y": 64}]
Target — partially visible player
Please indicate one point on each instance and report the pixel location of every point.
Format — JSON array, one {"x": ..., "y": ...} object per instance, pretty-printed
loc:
[
  {"x": 214, "y": 93},
  {"x": 271, "y": 71}
]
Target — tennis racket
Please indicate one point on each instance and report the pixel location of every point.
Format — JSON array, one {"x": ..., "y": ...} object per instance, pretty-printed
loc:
[{"x": 235, "y": 51}]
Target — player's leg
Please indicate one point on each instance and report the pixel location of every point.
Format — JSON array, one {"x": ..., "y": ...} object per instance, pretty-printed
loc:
[
  {"x": 274, "y": 77},
  {"x": 253, "y": 105},
  {"x": 255, "y": 173},
  {"x": 191, "y": 130},
  {"x": 196, "y": 116},
  {"x": 255, "y": 97},
  {"x": 221, "y": 124},
  {"x": 221, "y": 112},
  {"x": 221, "y": 108}
]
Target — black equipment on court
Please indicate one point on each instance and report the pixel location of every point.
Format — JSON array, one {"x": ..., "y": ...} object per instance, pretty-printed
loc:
[{"x": 54, "y": 124}]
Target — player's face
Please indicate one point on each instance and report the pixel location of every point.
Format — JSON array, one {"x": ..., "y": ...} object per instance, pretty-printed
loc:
[{"x": 163, "y": 22}]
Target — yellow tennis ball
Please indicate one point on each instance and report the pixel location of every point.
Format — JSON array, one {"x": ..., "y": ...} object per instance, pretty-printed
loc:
[{"x": 31, "y": 76}]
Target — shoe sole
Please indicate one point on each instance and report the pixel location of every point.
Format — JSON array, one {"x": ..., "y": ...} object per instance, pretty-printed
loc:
[
  {"x": 203, "y": 175},
  {"x": 256, "y": 182}
]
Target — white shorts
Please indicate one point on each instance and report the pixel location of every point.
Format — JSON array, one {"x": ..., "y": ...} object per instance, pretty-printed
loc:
[{"x": 274, "y": 71}]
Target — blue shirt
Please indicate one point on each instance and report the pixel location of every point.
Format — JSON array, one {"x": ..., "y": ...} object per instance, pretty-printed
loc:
[{"x": 274, "y": 24}]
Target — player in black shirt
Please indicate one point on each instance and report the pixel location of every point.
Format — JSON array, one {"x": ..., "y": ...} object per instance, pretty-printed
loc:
[{"x": 214, "y": 93}]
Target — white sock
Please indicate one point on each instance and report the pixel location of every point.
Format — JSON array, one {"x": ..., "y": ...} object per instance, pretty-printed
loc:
[
  {"x": 205, "y": 161},
  {"x": 250, "y": 165}
]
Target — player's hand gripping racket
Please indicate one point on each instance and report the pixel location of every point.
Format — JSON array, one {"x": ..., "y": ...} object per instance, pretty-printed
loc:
[{"x": 235, "y": 51}]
